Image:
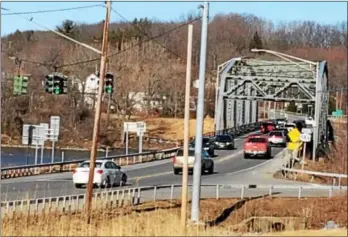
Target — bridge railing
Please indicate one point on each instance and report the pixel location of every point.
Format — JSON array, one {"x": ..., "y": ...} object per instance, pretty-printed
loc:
[
  {"x": 138, "y": 195},
  {"x": 56, "y": 167}
]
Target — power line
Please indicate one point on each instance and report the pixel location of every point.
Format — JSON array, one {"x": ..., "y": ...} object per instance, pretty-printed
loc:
[
  {"x": 144, "y": 41},
  {"x": 47, "y": 11},
  {"x": 27, "y": 60},
  {"x": 146, "y": 34}
]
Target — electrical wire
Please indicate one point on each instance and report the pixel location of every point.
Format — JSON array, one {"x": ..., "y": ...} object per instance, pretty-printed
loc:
[
  {"x": 146, "y": 34},
  {"x": 26, "y": 60},
  {"x": 47, "y": 11},
  {"x": 135, "y": 45}
]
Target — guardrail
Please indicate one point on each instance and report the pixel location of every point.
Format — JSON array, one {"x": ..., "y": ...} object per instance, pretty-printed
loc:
[
  {"x": 236, "y": 131},
  {"x": 332, "y": 175},
  {"x": 48, "y": 168},
  {"x": 137, "y": 195},
  {"x": 57, "y": 167}
]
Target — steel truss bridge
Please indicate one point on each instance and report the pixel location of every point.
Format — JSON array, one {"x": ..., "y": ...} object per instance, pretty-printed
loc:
[{"x": 243, "y": 82}]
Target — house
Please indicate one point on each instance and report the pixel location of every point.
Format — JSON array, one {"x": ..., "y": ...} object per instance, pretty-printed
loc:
[{"x": 140, "y": 101}]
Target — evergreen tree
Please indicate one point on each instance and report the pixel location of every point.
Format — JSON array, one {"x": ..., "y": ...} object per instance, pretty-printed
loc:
[{"x": 256, "y": 42}]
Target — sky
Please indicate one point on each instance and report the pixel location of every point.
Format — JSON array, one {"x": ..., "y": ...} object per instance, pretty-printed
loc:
[{"x": 321, "y": 12}]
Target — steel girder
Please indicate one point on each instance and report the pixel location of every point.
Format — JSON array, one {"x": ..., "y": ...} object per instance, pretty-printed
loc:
[
  {"x": 244, "y": 81},
  {"x": 321, "y": 105}
]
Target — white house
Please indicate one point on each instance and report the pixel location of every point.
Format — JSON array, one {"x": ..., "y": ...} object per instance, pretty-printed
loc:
[{"x": 140, "y": 100}]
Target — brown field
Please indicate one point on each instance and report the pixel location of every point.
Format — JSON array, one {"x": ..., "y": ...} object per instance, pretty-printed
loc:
[
  {"x": 173, "y": 129},
  {"x": 163, "y": 218}
]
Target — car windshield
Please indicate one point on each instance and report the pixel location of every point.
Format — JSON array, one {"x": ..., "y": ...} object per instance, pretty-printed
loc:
[
  {"x": 86, "y": 165},
  {"x": 223, "y": 139},
  {"x": 289, "y": 125},
  {"x": 278, "y": 134},
  {"x": 257, "y": 140},
  {"x": 181, "y": 153}
]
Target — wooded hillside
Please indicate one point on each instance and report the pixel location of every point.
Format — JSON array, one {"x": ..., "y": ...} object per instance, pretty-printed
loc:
[{"x": 149, "y": 57}]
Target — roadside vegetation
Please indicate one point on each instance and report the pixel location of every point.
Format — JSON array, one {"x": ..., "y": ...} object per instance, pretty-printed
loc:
[{"x": 222, "y": 218}]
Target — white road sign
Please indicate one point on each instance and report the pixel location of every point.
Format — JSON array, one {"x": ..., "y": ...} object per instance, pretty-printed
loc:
[
  {"x": 138, "y": 127},
  {"x": 54, "y": 128},
  {"x": 305, "y": 137},
  {"x": 36, "y": 136},
  {"x": 130, "y": 127},
  {"x": 44, "y": 130}
]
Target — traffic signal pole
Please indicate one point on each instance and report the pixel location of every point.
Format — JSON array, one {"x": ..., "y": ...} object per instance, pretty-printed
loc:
[
  {"x": 89, "y": 191},
  {"x": 196, "y": 189}
]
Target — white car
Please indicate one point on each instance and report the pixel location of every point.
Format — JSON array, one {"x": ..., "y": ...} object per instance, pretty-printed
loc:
[
  {"x": 290, "y": 126},
  {"x": 106, "y": 174}
]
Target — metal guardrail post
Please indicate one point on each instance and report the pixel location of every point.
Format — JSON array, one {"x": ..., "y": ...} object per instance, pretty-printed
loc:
[
  {"x": 154, "y": 193},
  {"x": 299, "y": 192},
  {"x": 242, "y": 192},
  {"x": 217, "y": 192},
  {"x": 339, "y": 182},
  {"x": 171, "y": 192},
  {"x": 270, "y": 191},
  {"x": 330, "y": 192},
  {"x": 138, "y": 195}
]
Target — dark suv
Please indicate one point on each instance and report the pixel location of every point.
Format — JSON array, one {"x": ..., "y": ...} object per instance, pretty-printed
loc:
[
  {"x": 224, "y": 142},
  {"x": 207, "y": 144}
]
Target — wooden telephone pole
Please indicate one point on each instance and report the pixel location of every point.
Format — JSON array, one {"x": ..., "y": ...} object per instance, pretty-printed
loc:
[
  {"x": 186, "y": 133},
  {"x": 96, "y": 128}
]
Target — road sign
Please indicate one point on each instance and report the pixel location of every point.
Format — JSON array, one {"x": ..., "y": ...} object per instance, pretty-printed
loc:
[
  {"x": 130, "y": 127},
  {"x": 294, "y": 135},
  {"x": 44, "y": 131},
  {"x": 54, "y": 128},
  {"x": 36, "y": 135},
  {"x": 307, "y": 130},
  {"x": 305, "y": 137}
]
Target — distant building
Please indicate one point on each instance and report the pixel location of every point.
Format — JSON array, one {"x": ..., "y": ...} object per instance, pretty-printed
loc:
[
  {"x": 141, "y": 101},
  {"x": 90, "y": 89}
]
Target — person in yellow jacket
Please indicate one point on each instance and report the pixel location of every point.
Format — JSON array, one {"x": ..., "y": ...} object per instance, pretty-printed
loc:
[{"x": 295, "y": 141}]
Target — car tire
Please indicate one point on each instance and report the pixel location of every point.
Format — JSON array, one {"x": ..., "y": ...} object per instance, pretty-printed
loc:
[
  {"x": 78, "y": 185},
  {"x": 203, "y": 170},
  {"x": 124, "y": 180},
  {"x": 246, "y": 156},
  {"x": 104, "y": 183},
  {"x": 176, "y": 171},
  {"x": 211, "y": 170}
]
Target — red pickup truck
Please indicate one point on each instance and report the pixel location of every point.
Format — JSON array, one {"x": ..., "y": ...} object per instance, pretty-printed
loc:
[{"x": 257, "y": 145}]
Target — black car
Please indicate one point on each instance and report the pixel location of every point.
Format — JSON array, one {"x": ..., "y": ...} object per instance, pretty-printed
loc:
[
  {"x": 207, "y": 144},
  {"x": 224, "y": 142}
]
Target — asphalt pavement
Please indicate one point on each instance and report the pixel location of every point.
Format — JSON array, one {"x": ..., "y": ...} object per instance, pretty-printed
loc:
[{"x": 152, "y": 173}]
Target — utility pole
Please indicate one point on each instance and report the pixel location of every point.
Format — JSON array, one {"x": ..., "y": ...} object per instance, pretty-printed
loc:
[
  {"x": 186, "y": 132},
  {"x": 336, "y": 100},
  {"x": 89, "y": 191},
  {"x": 196, "y": 189}
]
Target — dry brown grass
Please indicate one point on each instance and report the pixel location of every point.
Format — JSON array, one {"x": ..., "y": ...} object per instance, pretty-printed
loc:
[
  {"x": 173, "y": 129},
  {"x": 163, "y": 219},
  {"x": 335, "y": 232}
]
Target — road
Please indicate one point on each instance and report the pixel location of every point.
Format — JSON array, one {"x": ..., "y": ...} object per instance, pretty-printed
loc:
[{"x": 154, "y": 173}]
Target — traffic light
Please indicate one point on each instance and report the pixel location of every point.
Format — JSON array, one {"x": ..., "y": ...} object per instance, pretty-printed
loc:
[
  {"x": 49, "y": 83},
  {"x": 109, "y": 83},
  {"x": 20, "y": 85},
  {"x": 56, "y": 84},
  {"x": 24, "y": 87},
  {"x": 17, "y": 85}
]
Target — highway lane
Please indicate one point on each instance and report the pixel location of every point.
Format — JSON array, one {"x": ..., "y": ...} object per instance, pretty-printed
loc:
[{"x": 152, "y": 173}]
